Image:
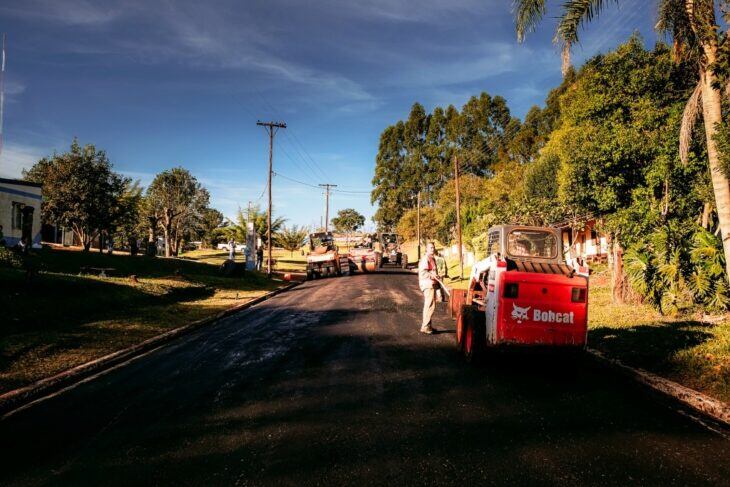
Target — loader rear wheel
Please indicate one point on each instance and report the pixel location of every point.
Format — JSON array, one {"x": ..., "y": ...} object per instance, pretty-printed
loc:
[
  {"x": 474, "y": 336},
  {"x": 461, "y": 322}
]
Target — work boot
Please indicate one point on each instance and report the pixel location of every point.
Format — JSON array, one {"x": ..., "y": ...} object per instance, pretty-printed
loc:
[{"x": 427, "y": 330}]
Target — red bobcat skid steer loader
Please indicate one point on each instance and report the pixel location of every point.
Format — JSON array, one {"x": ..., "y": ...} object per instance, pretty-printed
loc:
[{"x": 523, "y": 294}]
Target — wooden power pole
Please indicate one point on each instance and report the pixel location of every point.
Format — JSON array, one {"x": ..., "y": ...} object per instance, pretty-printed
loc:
[
  {"x": 458, "y": 217},
  {"x": 327, "y": 188},
  {"x": 271, "y": 128}
]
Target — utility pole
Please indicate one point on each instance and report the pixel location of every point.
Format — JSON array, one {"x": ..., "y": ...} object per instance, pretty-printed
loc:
[
  {"x": 271, "y": 128},
  {"x": 458, "y": 216},
  {"x": 327, "y": 188},
  {"x": 2, "y": 94},
  {"x": 418, "y": 225}
]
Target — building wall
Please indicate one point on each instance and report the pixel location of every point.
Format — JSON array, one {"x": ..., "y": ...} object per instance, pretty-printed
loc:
[
  {"x": 588, "y": 243},
  {"x": 29, "y": 194}
]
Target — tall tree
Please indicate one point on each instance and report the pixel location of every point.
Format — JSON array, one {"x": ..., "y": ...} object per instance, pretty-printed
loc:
[
  {"x": 81, "y": 191},
  {"x": 178, "y": 199},
  {"x": 210, "y": 222},
  {"x": 696, "y": 38},
  {"x": 348, "y": 221}
]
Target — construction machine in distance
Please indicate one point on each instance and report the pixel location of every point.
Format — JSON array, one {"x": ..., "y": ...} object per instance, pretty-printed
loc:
[
  {"x": 392, "y": 253},
  {"x": 324, "y": 258},
  {"x": 362, "y": 255}
]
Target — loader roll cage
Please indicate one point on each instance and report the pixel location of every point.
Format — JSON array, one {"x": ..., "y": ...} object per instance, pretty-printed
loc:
[
  {"x": 527, "y": 243},
  {"x": 321, "y": 240}
]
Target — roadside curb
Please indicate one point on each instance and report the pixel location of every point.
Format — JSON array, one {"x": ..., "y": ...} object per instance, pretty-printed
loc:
[
  {"x": 696, "y": 401},
  {"x": 17, "y": 398}
]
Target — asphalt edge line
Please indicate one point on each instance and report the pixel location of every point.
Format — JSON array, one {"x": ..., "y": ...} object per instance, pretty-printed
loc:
[
  {"x": 696, "y": 401},
  {"x": 17, "y": 398}
]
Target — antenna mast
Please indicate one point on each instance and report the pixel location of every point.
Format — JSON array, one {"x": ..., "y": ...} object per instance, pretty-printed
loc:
[{"x": 2, "y": 95}]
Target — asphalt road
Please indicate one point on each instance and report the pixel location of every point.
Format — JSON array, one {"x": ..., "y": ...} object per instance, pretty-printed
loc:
[{"x": 331, "y": 384}]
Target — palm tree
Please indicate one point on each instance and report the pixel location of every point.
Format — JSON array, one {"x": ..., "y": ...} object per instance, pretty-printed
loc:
[
  {"x": 237, "y": 229},
  {"x": 291, "y": 238},
  {"x": 696, "y": 37}
]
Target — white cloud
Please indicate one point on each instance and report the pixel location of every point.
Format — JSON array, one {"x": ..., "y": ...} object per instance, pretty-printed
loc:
[
  {"x": 423, "y": 11},
  {"x": 15, "y": 158},
  {"x": 70, "y": 12}
]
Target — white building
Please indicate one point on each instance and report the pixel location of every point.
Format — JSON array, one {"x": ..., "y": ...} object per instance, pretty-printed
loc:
[{"x": 20, "y": 211}]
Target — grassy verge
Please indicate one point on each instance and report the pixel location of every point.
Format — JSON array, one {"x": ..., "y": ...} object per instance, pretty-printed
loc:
[
  {"x": 284, "y": 261},
  {"x": 59, "y": 319},
  {"x": 685, "y": 349}
]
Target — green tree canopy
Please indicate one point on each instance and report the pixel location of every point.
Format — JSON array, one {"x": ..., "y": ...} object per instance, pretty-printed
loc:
[
  {"x": 82, "y": 192},
  {"x": 348, "y": 220},
  {"x": 178, "y": 201}
]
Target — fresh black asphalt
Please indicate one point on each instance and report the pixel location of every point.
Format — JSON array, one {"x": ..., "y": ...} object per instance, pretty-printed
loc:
[{"x": 331, "y": 384}]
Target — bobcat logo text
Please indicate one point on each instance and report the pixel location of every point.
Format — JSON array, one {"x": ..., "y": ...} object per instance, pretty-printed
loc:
[{"x": 520, "y": 314}]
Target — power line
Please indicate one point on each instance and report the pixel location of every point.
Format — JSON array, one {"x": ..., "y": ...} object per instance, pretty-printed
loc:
[
  {"x": 314, "y": 163},
  {"x": 316, "y": 168},
  {"x": 304, "y": 172},
  {"x": 296, "y": 181}
]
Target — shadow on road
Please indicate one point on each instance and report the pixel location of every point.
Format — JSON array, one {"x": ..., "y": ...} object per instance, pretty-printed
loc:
[{"x": 301, "y": 395}]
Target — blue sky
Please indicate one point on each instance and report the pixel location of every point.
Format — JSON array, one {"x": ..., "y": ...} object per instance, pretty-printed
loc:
[{"x": 161, "y": 83}]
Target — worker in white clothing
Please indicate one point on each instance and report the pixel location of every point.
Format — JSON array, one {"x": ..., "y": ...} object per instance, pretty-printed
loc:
[{"x": 427, "y": 281}]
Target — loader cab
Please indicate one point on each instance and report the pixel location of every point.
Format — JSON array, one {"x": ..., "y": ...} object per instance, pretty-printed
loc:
[
  {"x": 321, "y": 242},
  {"x": 521, "y": 243}
]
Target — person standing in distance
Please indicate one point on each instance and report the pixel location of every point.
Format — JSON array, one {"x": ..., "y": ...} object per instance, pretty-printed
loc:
[{"x": 427, "y": 275}]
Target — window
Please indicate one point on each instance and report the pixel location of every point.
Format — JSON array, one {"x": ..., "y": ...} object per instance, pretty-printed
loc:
[
  {"x": 594, "y": 235},
  {"x": 16, "y": 217},
  {"x": 532, "y": 243},
  {"x": 493, "y": 243}
]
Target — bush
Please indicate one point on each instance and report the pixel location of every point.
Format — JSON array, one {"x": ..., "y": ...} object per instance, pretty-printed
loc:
[
  {"x": 10, "y": 259},
  {"x": 674, "y": 273}
]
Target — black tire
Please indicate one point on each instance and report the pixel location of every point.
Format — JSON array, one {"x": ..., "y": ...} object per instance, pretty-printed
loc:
[
  {"x": 475, "y": 324},
  {"x": 462, "y": 320}
]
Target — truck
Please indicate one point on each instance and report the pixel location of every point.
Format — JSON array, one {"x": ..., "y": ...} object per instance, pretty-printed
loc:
[
  {"x": 525, "y": 293},
  {"x": 324, "y": 258},
  {"x": 392, "y": 253}
]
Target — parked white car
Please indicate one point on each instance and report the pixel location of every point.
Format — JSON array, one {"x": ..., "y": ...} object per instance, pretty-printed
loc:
[{"x": 239, "y": 247}]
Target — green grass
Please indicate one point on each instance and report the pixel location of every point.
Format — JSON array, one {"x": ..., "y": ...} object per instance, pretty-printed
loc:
[
  {"x": 283, "y": 259},
  {"x": 682, "y": 348},
  {"x": 59, "y": 319}
]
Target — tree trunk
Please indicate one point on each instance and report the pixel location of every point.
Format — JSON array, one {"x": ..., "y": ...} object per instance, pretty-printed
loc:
[
  {"x": 81, "y": 235},
  {"x": 712, "y": 113},
  {"x": 166, "y": 234},
  {"x": 618, "y": 281},
  {"x": 706, "y": 211}
]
